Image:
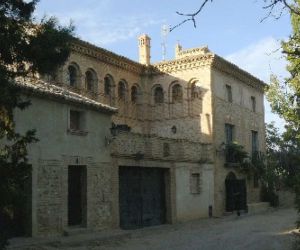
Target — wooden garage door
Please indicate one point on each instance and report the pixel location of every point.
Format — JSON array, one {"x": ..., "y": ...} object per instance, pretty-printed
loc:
[{"x": 141, "y": 197}]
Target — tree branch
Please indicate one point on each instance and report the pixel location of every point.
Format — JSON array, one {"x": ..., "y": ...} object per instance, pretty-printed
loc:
[{"x": 190, "y": 17}]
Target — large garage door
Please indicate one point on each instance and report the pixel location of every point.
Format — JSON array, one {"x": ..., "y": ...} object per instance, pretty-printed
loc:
[{"x": 141, "y": 197}]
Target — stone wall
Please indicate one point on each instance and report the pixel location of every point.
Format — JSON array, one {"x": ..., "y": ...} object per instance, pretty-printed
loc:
[
  {"x": 237, "y": 113},
  {"x": 56, "y": 150}
]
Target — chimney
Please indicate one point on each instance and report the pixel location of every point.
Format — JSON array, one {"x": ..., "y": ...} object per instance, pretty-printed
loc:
[
  {"x": 144, "y": 49},
  {"x": 178, "y": 49}
]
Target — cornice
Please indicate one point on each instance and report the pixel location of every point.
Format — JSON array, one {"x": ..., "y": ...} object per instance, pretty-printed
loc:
[
  {"x": 182, "y": 64},
  {"x": 106, "y": 56},
  {"x": 223, "y": 65}
]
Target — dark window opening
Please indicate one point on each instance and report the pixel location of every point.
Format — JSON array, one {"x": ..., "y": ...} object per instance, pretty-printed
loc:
[
  {"x": 76, "y": 122},
  {"x": 122, "y": 90},
  {"x": 229, "y": 93},
  {"x": 177, "y": 94},
  {"x": 134, "y": 94},
  {"x": 253, "y": 103},
  {"x": 158, "y": 95},
  {"x": 229, "y": 133},
  {"x": 73, "y": 75}
]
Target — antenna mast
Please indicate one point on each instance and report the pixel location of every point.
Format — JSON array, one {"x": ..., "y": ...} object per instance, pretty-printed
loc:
[{"x": 165, "y": 29}]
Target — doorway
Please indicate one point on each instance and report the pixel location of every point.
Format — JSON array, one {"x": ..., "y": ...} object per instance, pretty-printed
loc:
[
  {"x": 77, "y": 195},
  {"x": 236, "y": 193}
]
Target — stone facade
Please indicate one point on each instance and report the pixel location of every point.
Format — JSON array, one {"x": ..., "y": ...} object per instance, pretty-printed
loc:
[{"x": 171, "y": 115}]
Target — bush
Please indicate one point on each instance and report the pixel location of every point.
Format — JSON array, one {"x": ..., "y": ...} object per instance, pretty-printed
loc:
[{"x": 269, "y": 195}]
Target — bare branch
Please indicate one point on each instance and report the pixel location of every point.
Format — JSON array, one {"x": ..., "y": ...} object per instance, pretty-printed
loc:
[{"x": 191, "y": 17}]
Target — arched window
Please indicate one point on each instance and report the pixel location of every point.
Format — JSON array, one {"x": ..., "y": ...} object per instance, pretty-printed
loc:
[
  {"x": 90, "y": 81},
  {"x": 194, "y": 92},
  {"x": 158, "y": 95},
  {"x": 122, "y": 90},
  {"x": 108, "y": 85},
  {"x": 73, "y": 75},
  {"x": 177, "y": 93},
  {"x": 134, "y": 94}
]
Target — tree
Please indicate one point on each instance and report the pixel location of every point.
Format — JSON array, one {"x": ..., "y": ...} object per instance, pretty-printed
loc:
[{"x": 26, "y": 49}]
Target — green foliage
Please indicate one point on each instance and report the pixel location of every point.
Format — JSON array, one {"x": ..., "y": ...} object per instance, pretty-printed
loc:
[
  {"x": 26, "y": 48},
  {"x": 285, "y": 101},
  {"x": 235, "y": 153}
]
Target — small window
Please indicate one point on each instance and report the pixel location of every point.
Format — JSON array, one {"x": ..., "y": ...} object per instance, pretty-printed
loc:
[
  {"x": 166, "y": 149},
  {"x": 108, "y": 83},
  {"x": 194, "y": 92},
  {"x": 253, "y": 103},
  {"x": 76, "y": 120},
  {"x": 90, "y": 81},
  {"x": 177, "y": 94},
  {"x": 229, "y": 133},
  {"x": 134, "y": 94},
  {"x": 254, "y": 141},
  {"x": 73, "y": 75},
  {"x": 195, "y": 183},
  {"x": 122, "y": 91},
  {"x": 158, "y": 95},
  {"x": 255, "y": 181},
  {"x": 228, "y": 93}
]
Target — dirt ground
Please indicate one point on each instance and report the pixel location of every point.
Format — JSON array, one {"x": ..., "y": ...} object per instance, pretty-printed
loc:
[{"x": 267, "y": 231}]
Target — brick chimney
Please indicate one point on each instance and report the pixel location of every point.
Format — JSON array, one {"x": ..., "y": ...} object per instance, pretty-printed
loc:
[{"x": 144, "y": 49}]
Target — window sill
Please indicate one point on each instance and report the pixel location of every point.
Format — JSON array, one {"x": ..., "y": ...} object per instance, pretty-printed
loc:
[{"x": 77, "y": 132}]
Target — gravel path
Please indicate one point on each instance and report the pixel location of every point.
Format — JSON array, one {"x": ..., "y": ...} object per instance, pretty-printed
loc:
[{"x": 267, "y": 231}]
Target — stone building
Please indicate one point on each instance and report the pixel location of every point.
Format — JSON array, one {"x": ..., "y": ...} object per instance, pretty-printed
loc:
[{"x": 159, "y": 159}]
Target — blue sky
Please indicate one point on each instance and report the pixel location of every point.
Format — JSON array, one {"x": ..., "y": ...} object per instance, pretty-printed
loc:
[{"x": 231, "y": 29}]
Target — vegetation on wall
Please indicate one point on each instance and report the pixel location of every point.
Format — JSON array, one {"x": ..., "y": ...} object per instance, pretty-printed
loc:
[{"x": 26, "y": 48}]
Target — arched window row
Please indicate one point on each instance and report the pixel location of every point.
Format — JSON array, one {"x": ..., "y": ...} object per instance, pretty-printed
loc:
[
  {"x": 175, "y": 93},
  {"x": 91, "y": 84}
]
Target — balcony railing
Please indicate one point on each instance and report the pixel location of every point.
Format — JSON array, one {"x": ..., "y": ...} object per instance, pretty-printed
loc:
[{"x": 140, "y": 146}]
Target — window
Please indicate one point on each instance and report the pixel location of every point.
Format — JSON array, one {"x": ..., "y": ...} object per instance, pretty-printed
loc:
[
  {"x": 254, "y": 143},
  {"x": 108, "y": 83},
  {"x": 76, "y": 121},
  {"x": 228, "y": 93},
  {"x": 253, "y": 103},
  {"x": 177, "y": 93},
  {"x": 229, "y": 133},
  {"x": 195, "y": 183},
  {"x": 158, "y": 95},
  {"x": 122, "y": 90},
  {"x": 73, "y": 75},
  {"x": 166, "y": 149},
  {"x": 255, "y": 181},
  {"x": 90, "y": 81},
  {"x": 134, "y": 94},
  {"x": 194, "y": 92}
]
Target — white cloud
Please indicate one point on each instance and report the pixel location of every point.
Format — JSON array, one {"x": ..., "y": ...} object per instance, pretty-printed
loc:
[
  {"x": 263, "y": 59},
  {"x": 96, "y": 26}
]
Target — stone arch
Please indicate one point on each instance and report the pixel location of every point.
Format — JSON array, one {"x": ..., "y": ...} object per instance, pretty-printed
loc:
[
  {"x": 91, "y": 80},
  {"x": 195, "y": 89},
  {"x": 158, "y": 94},
  {"x": 176, "y": 92},
  {"x": 230, "y": 176},
  {"x": 73, "y": 75},
  {"x": 122, "y": 90}
]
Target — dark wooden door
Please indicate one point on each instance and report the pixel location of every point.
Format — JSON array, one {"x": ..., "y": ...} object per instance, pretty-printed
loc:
[
  {"x": 236, "y": 195},
  {"x": 141, "y": 197},
  {"x": 76, "y": 175}
]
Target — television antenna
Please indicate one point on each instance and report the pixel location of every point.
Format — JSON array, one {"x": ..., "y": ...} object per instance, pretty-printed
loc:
[{"x": 165, "y": 29}]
